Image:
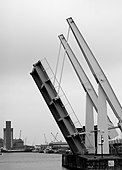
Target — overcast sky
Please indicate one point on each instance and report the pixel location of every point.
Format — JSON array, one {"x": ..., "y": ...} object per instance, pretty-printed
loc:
[{"x": 29, "y": 31}]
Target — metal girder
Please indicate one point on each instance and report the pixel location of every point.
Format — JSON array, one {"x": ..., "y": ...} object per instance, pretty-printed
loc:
[
  {"x": 97, "y": 72},
  {"x": 57, "y": 109},
  {"x": 84, "y": 80}
]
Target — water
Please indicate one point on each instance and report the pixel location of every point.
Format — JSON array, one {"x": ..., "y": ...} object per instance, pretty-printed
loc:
[{"x": 31, "y": 161}]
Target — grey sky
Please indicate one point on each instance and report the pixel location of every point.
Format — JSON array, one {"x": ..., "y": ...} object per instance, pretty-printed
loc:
[{"x": 29, "y": 31}]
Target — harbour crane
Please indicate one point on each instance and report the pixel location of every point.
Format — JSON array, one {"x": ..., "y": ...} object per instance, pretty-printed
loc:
[
  {"x": 105, "y": 91},
  {"x": 55, "y": 137},
  {"x": 45, "y": 139},
  {"x": 20, "y": 134}
]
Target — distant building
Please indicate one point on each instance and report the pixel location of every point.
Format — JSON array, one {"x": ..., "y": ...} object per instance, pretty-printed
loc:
[
  {"x": 59, "y": 146},
  {"x": 1, "y": 142},
  {"x": 18, "y": 144},
  {"x": 8, "y": 136}
]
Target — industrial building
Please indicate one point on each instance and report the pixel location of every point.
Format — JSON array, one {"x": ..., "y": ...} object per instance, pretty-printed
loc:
[
  {"x": 1, "y": 142},
  {"x": 8, "y": 136},
  {"x": 18, "y": 144},
  {"x": 8, "y": 142}
]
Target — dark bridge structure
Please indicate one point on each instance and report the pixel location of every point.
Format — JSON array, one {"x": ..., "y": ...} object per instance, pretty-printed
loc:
[{"x": 85, "y": 155}]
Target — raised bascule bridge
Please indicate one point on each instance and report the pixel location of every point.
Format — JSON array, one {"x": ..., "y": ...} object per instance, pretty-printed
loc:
[{"x": 93, "y": 152}]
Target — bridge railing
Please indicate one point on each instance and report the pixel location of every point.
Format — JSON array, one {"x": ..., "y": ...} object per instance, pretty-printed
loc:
[{"x": 61, "y": 93}]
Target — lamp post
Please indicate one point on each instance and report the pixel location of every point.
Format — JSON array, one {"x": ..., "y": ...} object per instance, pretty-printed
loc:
[{"x": 102, "y": 140}]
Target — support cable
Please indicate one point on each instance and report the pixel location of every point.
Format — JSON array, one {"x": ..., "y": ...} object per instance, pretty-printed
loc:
[
  {"x": 63, "y": 62},
  {"x": 57, "y": 63},
  {"x": 65, "y": 96}
]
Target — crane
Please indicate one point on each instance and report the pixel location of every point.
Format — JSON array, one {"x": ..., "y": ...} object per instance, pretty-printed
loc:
[
  {"x": 20, "y": 134},
  {"x": 105, "y": 91},
  {"x": 55, "y": 137},
  {"x": 45, "y": 139},
  {"x": 91, "y": 96}
]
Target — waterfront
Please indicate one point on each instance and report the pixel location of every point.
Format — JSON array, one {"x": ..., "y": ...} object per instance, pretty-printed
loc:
[{"x": 31, "y": 161}]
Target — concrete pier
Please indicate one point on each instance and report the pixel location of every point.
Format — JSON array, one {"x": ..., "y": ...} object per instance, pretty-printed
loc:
[{"x": 92, "y": 162}]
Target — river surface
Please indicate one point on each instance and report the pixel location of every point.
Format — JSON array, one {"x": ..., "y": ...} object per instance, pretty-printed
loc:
[{"x": 31, "y": 161}]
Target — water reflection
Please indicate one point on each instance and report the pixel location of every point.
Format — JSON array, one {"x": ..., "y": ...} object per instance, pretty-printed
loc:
[{"x": 31, "y": 161}]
